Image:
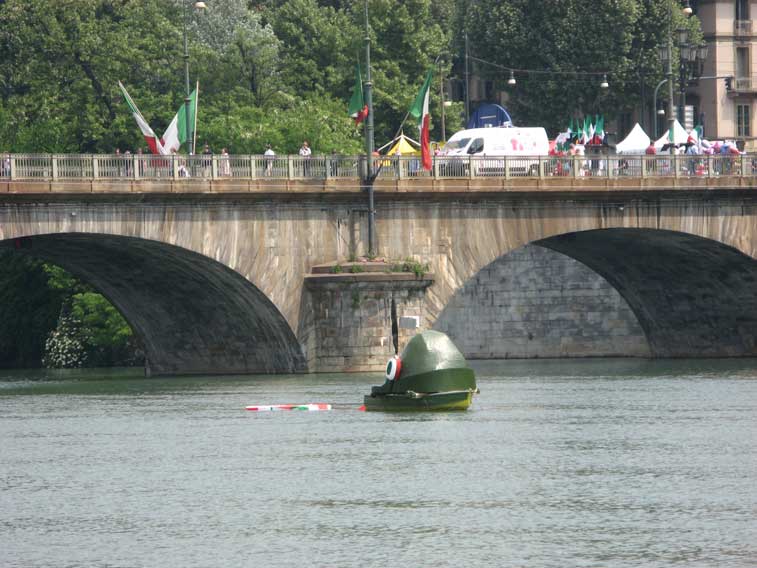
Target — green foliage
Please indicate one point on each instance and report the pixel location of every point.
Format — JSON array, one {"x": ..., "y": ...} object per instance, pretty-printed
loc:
[
  {"x": 412, "y": 265},
  {"x": 271, "y": 72},
  {"x": 107, "y": 338},
  {"x": 48, "y": 315},
  {"x": 620, "y": 37},
  {"x": 356, "y": 269},
  {"x": 336, "y": 269},
  {"x": 28, "y": 310},
  {"x": 281, "y": 71}
]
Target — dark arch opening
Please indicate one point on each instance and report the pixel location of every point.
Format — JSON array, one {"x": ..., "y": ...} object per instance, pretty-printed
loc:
[
  {"x": 609, "y": 292},
  {"x": 694, "y": 297},
  {"x": 193, "y": 314}
]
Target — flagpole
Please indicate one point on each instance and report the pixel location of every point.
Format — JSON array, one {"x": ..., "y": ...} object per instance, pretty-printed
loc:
[
  {"x": 197, "y": 107},
  {"x": 669, "y": 75},
  {"x": 187, "y": 100},
  {"x": 369, "y": 177},
  {"x": 467, "y": 83}
]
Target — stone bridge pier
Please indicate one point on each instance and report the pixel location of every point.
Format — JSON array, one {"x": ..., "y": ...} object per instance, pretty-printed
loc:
[{"x": 225, "y": 283}]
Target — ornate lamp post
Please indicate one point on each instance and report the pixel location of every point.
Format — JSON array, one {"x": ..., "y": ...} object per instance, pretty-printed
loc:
[
  {"x": 187, "y": 99},
  {"x": 690, "y": 64}
]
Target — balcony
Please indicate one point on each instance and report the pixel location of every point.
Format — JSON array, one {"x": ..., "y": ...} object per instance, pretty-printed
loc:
[
  {"x": 744, "y": 85},
  {"x": 742, "y": 27}
]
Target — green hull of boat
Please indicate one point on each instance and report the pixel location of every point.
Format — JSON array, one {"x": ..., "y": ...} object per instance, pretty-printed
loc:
[
  {"x": 456, "y": 400},
  {"x": 434, "y": 376}
]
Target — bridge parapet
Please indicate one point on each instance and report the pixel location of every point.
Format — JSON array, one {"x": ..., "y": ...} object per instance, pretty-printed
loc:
[{"x": 94, "y": 167}]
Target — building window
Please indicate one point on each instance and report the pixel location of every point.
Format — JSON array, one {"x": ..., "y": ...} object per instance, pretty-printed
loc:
[
  {"x": 742, "y": 9},
  {"x": 743, "y": 120},
  {"x": 742, "y": 62}
]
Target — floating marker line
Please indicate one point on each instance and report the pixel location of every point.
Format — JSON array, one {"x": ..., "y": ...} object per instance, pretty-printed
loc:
[{"x": 310, "y": 407}]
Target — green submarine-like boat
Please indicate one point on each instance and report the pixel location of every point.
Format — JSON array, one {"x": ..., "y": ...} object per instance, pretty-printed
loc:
[{"x": 431, "y": 374}]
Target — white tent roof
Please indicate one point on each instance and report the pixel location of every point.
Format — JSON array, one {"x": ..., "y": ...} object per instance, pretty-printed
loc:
[
  {"x": 679, "y": 136},
  {"x": 635, "y": 143}
]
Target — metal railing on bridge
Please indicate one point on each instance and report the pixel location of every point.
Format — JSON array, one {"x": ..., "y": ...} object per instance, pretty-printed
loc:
[{"x": 76, "y": 167}]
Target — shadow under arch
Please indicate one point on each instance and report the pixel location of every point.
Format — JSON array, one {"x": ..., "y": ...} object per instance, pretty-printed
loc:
[
  {"x": 532, "y": 302},
  {"x": 693, "y": 297},
  {"x": 193, "y": 314}
]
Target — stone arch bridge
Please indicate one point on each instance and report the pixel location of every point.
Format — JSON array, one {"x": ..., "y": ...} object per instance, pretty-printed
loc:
[{"x": 222, "y": 281}]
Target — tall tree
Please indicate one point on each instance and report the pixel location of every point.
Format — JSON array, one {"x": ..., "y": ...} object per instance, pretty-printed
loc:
[{"x": 561, "y": 42}]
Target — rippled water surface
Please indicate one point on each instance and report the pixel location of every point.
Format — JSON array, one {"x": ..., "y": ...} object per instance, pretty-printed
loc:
[{"x": 557, "y": 463}]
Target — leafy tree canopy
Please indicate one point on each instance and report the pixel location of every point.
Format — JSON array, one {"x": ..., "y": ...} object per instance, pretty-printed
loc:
[
  {"x": 562, "y": 43},
  {"x": 260, "y": 62}
]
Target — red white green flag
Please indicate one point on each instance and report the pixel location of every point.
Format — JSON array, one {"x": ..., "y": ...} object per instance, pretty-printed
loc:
[
  {"x": 152, "y": 141},
  {"x": 357, "y": 108},
  {"x": 419, "y": 110},
  {"x": 176, "y": 133}
]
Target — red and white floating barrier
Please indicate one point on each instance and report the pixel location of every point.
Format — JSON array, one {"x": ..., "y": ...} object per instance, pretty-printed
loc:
[{"x": 311, "y": 407}]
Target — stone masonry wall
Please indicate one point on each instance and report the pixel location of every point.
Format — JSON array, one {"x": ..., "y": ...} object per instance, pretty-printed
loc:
[
  {"x": 534, "y": 302},
  {"x": 354, "y": 331}
]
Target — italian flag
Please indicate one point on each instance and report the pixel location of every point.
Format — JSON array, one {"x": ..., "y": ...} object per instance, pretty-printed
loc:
[
  {"x": 420, "y": 111},
  {"x": 176, "y": 133},
  {"x": 357, "y": 108},
  {"x": 152, "y": 141},
  {"x": 599, "y": 130},
  {"x": 585, "y": 130}
]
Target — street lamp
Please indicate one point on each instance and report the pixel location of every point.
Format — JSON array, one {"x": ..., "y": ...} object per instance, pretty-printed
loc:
[
  {"x": 188, "y": 99},
  {"x": 667, "y": 56},
  {"x": 690, "y": 66},
  {"x": 660, "y": 111}
]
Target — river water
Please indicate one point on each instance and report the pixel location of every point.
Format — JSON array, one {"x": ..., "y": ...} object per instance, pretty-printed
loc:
[{"x": 557, "y": 463}]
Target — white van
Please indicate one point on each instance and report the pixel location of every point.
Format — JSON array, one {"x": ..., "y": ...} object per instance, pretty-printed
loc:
[{"x": 481, "y": 143}]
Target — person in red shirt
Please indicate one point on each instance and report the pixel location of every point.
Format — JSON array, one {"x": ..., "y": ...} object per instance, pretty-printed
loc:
[{"x": 651, "y": 163}]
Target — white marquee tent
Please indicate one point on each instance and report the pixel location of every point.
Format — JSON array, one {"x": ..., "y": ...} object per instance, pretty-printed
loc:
[
  {"x": 635, "y": 143},
  {"x": 680, "y": 136}
]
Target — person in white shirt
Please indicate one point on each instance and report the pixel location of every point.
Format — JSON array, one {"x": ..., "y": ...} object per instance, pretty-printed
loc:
[
  {"x": 270, "y": 156},
  {"x": 305, "y": 153},
  {"x": 225, "y": 163}
]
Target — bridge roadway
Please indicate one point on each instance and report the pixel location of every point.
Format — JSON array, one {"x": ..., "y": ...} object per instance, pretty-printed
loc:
[{"x": 210, "y": 272}]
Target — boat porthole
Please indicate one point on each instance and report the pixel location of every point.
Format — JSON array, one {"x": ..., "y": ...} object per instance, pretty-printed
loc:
[{"x": 393, "y": 368}]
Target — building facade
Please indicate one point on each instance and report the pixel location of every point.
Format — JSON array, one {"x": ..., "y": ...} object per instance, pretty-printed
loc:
[{"x": 728, "y": 106}]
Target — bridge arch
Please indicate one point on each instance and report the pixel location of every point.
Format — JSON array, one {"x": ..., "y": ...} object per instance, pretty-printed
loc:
[
  {"x": 615, "y": 291},
  {"x": 194, "y": 315}
]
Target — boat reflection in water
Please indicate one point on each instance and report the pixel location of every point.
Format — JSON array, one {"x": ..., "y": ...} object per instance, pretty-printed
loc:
[{"x": 431, "y": 374}]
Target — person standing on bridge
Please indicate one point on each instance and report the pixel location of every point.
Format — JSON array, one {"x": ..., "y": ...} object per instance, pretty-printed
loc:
[
  {"x": 207, "y": 159},
  {"x": 651, "y": 151},
  {"x": 225, "y": 163},
  {"x": 5, "y": 167},
  {"x": 305, "y": 153},
  {"x": 270, "y": 156}
]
